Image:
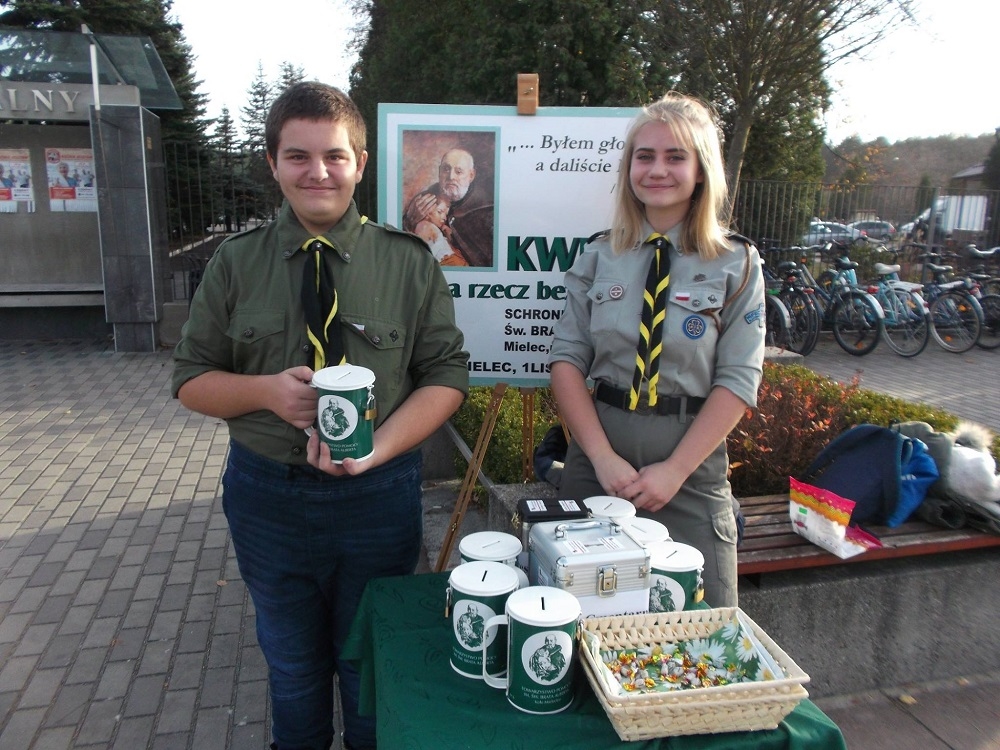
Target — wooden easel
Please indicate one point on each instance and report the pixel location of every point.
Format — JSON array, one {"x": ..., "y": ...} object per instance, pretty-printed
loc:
[
  {"x": 527, "y": 104},
  {"x": 479, "y": 454}
]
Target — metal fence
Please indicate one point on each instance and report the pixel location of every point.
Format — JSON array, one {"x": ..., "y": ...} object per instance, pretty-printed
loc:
[
  {"x": 212, "y": 193},
  {"x": 779, "y": 214}
]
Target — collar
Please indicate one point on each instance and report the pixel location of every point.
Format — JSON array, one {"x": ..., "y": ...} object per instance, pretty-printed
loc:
[
  {"x": 673, "y": 234},
  {"x": 343, "y": 237}
]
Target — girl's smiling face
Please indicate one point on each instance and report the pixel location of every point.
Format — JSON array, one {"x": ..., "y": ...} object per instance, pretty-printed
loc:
[{"x": 663, "y": 174}]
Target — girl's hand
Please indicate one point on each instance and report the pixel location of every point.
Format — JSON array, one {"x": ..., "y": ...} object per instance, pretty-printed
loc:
[
  {"x": 654, "y": 487},
  {"x": 614, "y": 473}
]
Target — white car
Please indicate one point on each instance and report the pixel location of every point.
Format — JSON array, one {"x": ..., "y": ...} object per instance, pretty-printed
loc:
[{"x": 821, "y": 232}]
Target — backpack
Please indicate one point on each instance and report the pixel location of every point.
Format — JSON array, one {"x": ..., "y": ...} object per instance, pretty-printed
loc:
[{"x": 884, "y": 472}]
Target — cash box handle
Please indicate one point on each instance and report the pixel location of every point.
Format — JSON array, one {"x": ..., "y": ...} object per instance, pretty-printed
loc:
[{"x": 561, "y": 529}]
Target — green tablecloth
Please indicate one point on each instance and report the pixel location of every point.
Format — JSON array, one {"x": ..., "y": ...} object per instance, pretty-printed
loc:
[{"x": 401, "y": 642}]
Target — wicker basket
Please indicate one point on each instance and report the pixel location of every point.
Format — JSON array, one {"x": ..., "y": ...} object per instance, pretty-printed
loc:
[{"x": 729, "y": 708}]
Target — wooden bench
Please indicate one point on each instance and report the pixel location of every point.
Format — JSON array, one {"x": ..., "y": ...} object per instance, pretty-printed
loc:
[{"x": 770, "y": 544}]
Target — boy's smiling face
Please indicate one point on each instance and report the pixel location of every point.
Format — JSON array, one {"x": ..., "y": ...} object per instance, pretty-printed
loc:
[{"x": 317, "y": 171}]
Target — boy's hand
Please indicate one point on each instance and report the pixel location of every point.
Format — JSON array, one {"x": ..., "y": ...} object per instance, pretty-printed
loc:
[
  {"x": 292, "y": 398},
  {"x": 318, "y": 456}
]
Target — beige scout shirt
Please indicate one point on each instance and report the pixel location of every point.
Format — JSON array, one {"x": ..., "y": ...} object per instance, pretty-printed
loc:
[{"x": 702, "y": 347}]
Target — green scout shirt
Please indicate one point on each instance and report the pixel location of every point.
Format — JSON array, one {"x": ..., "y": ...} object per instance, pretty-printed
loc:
[{"x": 397, "y": 316}]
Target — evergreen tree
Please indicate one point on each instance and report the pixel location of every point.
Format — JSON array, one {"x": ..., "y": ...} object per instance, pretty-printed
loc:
[
  {"x": 288, "y": 74},
  {"x": 254, "y": 112},
  {"x": 225, "y": 163},
  {"x": 266, "y": 197}
]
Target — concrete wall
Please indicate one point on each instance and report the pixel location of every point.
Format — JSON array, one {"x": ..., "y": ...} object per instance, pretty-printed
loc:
[
  {"x": 863, "y": 626},
  {"x": 47, "y": 247}
]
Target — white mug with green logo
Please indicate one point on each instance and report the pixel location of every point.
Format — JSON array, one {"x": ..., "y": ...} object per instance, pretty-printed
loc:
[
  {"x": 495, "y": 546},
  {"x": 477, "y": 591},
  {"x": 346, "y": 411},
  {"x": 675, "y": 581},
  {"x": 542, "y": 624}
]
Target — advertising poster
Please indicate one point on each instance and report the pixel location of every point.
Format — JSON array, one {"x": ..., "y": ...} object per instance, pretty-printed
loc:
[
  {"x": 506, "y": 202},
  {"x": 15, "y": 180},
  {"x": 72, "y": 186}
]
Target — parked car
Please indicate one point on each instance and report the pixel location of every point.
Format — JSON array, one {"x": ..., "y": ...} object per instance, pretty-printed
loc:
[
  {"x": 829, "y": 231},
  {"x": 877, "y": 230}
]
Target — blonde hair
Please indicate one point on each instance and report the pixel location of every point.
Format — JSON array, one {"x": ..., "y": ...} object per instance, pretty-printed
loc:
[{"x": 695, "y": 124}]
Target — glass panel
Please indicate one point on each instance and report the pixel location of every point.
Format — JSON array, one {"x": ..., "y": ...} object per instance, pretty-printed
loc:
[{"x": 64, "y": 57}]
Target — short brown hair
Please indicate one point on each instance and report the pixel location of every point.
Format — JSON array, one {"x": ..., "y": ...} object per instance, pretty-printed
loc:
[{"x": 311, "y": 100}]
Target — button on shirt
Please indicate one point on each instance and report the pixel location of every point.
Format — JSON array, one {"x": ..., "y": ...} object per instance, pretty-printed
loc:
[
  {"x": 397, "y": 316},
  {"x": 704, "y": 344}
]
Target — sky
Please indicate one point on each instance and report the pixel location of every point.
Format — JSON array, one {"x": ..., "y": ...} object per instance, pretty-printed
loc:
[{"x": 936, "y": 77}]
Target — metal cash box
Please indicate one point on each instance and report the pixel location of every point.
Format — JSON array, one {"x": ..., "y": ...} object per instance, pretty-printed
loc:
[{"x": 595, "y": 560}]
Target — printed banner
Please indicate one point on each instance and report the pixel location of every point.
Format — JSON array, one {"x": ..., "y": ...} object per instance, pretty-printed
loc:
[
  {"x": 15, "y": 179},
  {"x": 72, "y": 185},
  {"x": 506, "y": 202}
]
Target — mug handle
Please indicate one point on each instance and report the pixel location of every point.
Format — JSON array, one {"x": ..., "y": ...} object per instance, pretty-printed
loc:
[{"x": 491, "y": 680}]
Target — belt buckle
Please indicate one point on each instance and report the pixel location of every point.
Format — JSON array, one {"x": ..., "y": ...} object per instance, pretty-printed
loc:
[{"x": 642, "y": 406}]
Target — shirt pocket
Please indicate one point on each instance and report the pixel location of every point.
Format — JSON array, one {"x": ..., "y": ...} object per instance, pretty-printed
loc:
[
  {"x": 692, "y": 312},
  {"x": 378, "y": 344},
  {"x": 258, "y": 342},
  {"x": 607, "y": 307}
]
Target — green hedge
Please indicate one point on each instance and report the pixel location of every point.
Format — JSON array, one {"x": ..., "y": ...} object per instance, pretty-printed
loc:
[{"x": 798, "y": 412}]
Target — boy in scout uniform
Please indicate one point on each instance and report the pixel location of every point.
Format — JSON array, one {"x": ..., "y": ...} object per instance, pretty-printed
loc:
[{"x": 319, "y": 286}]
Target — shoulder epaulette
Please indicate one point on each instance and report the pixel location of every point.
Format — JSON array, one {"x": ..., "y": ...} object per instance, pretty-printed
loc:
[
  {"x": 397, "y": 230},
  {"x": 740, "y": 238},
  {"x": 244, "y": 233},
  {"x": 598, "y": 235}
]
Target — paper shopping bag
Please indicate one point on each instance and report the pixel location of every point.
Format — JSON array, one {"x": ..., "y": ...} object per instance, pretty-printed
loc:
[{"x": 823, "y": 518}]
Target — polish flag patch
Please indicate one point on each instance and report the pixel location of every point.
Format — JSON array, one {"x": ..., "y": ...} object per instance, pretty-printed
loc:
[{"x": 683, "y": 296}]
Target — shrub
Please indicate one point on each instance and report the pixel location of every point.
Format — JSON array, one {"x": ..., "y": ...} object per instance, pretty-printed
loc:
[
  {"x": 798, "y": 412},
  {"x": 502, "y": 463}
]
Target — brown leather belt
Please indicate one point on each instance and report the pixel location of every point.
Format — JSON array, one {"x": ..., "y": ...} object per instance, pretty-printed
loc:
[{"x": 665, "y": 405}]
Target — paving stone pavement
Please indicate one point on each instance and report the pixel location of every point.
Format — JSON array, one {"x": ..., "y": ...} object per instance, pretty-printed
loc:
[
  {"x": 965, "y": 385},
  {"x": 123, "y": 621}
]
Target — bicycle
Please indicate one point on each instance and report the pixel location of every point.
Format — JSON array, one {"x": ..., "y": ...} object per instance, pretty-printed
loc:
[
  {"x": 984, "y": 263},
  {"x": 777, "y": 321},
  {"x": 906, "y": 327},
  {"x": 956, "y": 316},
  {"x": 786, "y": 282},
  {"x": 854, "y": 316}
]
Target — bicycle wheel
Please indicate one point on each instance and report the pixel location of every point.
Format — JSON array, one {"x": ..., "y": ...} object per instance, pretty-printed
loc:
[
  {"x": 907, "y": 326},
  {"x": 857, "y": 325},
  {"x": 955, "y": 321},
  {"x": 803, "y": 332},
  {"x": 989, "y": 335},
  {"x": 777, "y": 321},
  {"x": 992, "y": 287}
]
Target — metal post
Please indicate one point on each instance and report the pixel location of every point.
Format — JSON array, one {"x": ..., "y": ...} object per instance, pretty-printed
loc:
[{"x": 94, "y": 77}]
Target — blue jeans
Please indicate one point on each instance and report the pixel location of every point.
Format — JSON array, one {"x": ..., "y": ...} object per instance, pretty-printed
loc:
[{"x": 306, "y": 544}]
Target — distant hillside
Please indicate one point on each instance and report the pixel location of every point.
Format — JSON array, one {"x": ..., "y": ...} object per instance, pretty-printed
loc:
[{"x": 904, "y": 163}]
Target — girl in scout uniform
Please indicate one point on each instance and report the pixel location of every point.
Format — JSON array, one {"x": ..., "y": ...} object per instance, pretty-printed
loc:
[{"x": 664, "y": 312}]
